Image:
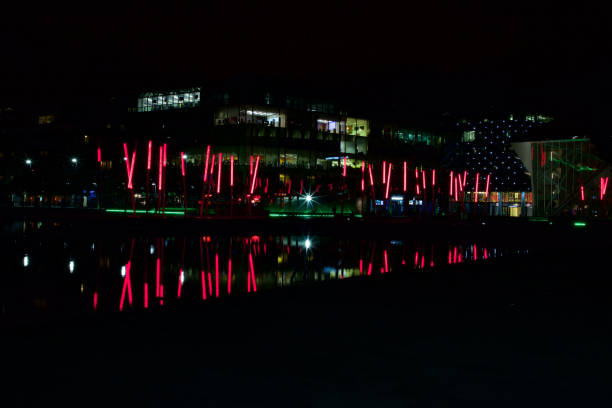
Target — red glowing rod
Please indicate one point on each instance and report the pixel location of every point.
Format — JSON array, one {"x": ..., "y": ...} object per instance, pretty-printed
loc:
[
  {"x": 344, "y": 170},
  {"x": 582, "y": 192},
  {"x": 255, "y": 174},
  {"x": 130, "y": 167},
  {"x": 146, "y": 295},
  {"x": 416, "y": 259},
  {"x": 485, "y": 253},
  {"x": 266, "y": 188},
  {"x": 182, "y": 164},
  {"x": 464, "y": 179},
  {"x": 232, "y": 170},
  {"x": 388, "y": 182},
  {"x": 362, "y": 175},
  {"x": 180, "y": 284},
  {"x": 371, "y": 177},
  {"x": 99, "y": 155},
  {"x": 95, "y": 300},
  {"x": 384, "y": 169},
  {"x": 212, "y": 166},
  {"x": 210, "y": 284},
  {"x": 370, "y": 268},
  {"x": 206, "y": 164},
  {"x": 219, "y": 174},
  {"x": 127, "y": 285},
  {"x": 603, "y": 187},
  {"x": 451, "y": 183},
  {"x": 361, "y": 266},
  {"x": 433, "y": 177},
  {"x": 386, "y": 262},
  {"x": 165, "y": 154},
  {"x": 229, "y": 276},
  {"x": 149, "y": 155},
  {"x": 216, "y": 275},
  {"x": 251, "y": 166},
  {"x": 203, "y": 276},
  {"x": 487, "y": 191},
  {"x": 416, "y": 174},
  {"x": 161, "y": 162},
  {"x": 424, "y": 177},
  {"x": 456, "y": 194},
  {"x": 251, "y": 270},
  {"x": 475, "y": 252},
  {"x": 450, "y": 259},
  {"x": 476, "y": 195},
  {"x": 405, "y": 181},
  {"x": 301, "y": 186},
  {"x": 460, "y": 183}
]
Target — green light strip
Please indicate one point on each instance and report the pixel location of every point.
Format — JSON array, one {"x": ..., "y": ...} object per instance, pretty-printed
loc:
[
  {"x": 579, "y": 224},
  {"x": 121, "y": 210}
]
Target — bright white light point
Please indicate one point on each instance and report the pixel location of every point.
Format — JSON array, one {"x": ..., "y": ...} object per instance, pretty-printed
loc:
[
  {"x": 71, "y": 266},
  {"x": 184, "y": 156},
  {"x": 123, "y": 271},
  {"x": 28, "y": 161},
  {"x": 308, "y": 198},
  {"x": 182, "y": 277},
  {"x": 74, "y": 160},
  {"x": 26, "y": 260},
  {"x": 152, "y": 250},
  {"x": 307, "y": 244}
]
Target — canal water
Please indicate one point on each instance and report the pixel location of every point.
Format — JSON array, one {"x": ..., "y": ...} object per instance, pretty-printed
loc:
[{"x": 49, "y": 270}]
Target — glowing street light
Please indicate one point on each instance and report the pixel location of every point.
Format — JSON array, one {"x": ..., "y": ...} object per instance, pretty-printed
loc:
[
  {"x": 28, "y": 162},
  {"x": 307, "y": 243},
  {"x": 308, "y": 198},
  {"x": 71, "y": 266},
  {"x": 26, "y": 260}
]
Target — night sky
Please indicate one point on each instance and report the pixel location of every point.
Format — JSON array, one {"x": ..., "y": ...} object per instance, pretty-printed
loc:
[{"x": 425, "y": 58}]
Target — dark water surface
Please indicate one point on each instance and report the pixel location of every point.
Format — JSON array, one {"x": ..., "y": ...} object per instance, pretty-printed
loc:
[
  {"x": 348, "y": 321},
  {"x": 58, "y": 272}
]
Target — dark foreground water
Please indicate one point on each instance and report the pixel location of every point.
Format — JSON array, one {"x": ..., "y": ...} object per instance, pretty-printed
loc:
[
  {"x": 348, "y": 321},
  {"x": 49, "y": 272}
]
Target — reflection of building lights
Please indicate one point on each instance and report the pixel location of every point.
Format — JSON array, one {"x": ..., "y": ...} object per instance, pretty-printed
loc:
[
  {"x": 71, "y": 266},
  {"x": 26, "y": 260},
  {"x": 307, "y": 244}
]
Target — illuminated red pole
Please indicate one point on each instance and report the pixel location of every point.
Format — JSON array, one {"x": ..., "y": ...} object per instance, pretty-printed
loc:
[
  {"x": 255, "y": 175},
  {"x": 464, "y": 179},
  {"x": 251, "y": 268},
  {"x": 362, "y": 175},
  {"x": 99, "y": 178},
  {"x": 251, "y": 166},
  {"x": 476, "y": 192},
  {"x": 385, "y": 252},
  {"x": 384, "y": 169},
  {"x": 163, "y": 179},
  {"x": 416, "y": 174},
  {"x": 99, "y": 155},
  {"x": 451, "y": 183},
  {"x": 212, "y": 167},
  {"x": 433, "y": 177},
  {"x": 206, "y": 163},
  {"x": 149, "y": 154},
  {"x": 219, "y": 174},
  {"x": 424, "y": 177},
  {"x": 229, "y": 275},
  {"x": 344, "y": 170},
  {"x": 160, "y": 185},
  {"x": 184, "y": 182},
  {"x": 405, "y": 177},
  {"x": 388, "y": 182},
  {"x": 582, "y": 193},
  {"x": 216, "y": 275},
  {"x": 371, "y": 176},
  {"x": 487, "y": 191},
  {"x": 232, "y": 170}
]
